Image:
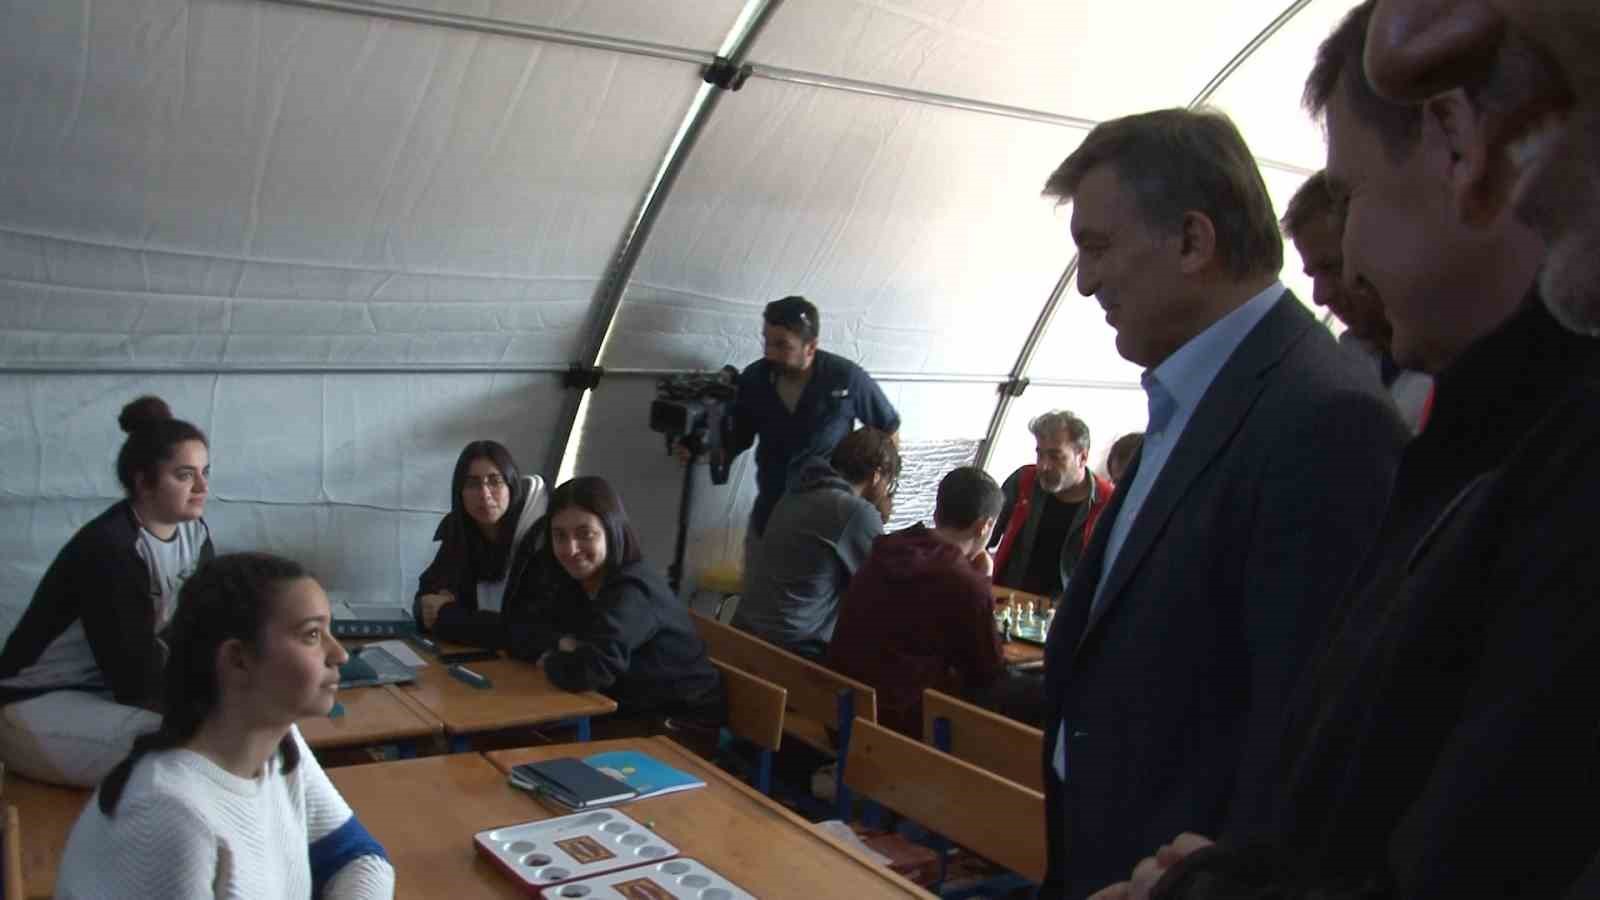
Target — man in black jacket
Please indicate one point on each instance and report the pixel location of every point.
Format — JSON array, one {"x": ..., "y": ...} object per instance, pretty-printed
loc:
[
  {"x": 1456, "y": 696},
  {"x": 1262, "y": 478}
]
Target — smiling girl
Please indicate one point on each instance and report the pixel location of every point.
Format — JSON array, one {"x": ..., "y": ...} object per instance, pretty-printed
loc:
[
  {"x": 621, "y": 630},
  {"x": 81, "y": 674},
  {"x": 225, "y": 799}
]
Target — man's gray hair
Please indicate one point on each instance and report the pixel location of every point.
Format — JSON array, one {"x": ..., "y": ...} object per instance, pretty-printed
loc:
[{"x": 1061, "y": 421}]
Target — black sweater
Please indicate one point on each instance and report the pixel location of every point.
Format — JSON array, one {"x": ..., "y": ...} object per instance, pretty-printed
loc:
[
  {"x": 1441, "y": 745},
  {"x": 97, "y": 577},
  {"x": 636, "y": 644},
  {"x": 453, "y": 569}
]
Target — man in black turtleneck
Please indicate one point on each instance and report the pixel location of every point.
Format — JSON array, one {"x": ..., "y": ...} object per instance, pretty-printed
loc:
[{"x": 1370, "y": 796}]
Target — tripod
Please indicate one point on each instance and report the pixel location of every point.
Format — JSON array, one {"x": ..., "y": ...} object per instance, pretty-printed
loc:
[
  {"x": 695, "y": 446},
  {"x": 685, "y": 509}
]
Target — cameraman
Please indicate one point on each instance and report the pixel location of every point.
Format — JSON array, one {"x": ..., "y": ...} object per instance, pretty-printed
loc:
[{"x": 800, "y": 401}]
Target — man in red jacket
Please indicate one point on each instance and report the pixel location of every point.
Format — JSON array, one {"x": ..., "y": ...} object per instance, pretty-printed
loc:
[
  {"x": 920, "y": 613},
  {"x": 1050, "y": 509}
]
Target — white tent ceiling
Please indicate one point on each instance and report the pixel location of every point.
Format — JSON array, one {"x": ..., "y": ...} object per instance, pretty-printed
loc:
[{"x": 345, "y": 237}]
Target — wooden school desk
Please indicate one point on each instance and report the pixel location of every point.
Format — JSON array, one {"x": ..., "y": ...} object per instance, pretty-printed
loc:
[
  {"x": 1020, "y": 652},
  {"x": 522, "y": 695},
  {"x": 372, "y": 716},
  {"x": 747, "y": 838},
  {"x": 425, "y": 811},
  {"x": 47, "y": 813}
]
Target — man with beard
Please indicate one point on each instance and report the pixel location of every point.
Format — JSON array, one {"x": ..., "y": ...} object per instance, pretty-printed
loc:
[
  {"x": 1051, "y": 508},
  {"x": 1317, "y": 230},
  {"x": 801, "y": 401},
  {"x": 1469, "y": 731}
]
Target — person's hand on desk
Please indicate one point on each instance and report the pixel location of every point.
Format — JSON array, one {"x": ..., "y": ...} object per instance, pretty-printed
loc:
[
  {"x": 1151, "y": 869},
  {"x": 431, "y": 604}
]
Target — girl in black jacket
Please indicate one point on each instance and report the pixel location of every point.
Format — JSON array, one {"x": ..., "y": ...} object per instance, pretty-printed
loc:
[
  {"x": 614, "y": 625},
  {"x": 81, "y": 674},
  {"x": 470, "y": 593}
]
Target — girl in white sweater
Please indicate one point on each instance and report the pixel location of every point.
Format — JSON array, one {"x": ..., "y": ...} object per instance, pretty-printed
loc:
[{"x": 225, "y": 799}]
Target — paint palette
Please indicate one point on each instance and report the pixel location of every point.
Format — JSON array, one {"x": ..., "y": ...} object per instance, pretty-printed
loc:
[
  {"x": 551, "y": 851},
  {"x": 678, "y": 879}
]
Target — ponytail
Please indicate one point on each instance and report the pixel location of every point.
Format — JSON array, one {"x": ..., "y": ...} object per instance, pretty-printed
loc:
[
  {"x": 116, "y": 780},
  {"x": 228, "y": 598}
]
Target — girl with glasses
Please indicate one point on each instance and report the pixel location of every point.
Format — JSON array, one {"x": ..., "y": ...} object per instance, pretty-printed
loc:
[{"x": 485, "y": 546}]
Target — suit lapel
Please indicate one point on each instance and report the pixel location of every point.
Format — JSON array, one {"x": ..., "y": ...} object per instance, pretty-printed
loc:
[{"x": 1222, "y": 410}]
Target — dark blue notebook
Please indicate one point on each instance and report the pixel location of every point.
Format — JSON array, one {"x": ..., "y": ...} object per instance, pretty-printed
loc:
[{"x": 572, "y": 783}]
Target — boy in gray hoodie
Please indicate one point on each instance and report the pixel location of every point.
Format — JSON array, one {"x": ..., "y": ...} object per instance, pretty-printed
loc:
[{"x": 818, "y": 536}]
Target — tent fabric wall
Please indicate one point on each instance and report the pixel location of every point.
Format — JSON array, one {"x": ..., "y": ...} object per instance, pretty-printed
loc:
[
  {"x": 918, "y": 231},
  {"x": 346, "y": 243},
  {"x": 347, "y": 473}
]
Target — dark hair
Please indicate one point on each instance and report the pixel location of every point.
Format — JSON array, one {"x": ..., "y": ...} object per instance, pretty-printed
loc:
[
  {"x": 1309, "y": 204},
  {"x": 488, "y": 559},
  {"x": 1177, "y": 161},
  {"x": 795, "y": 313},
  {"x": 864, "y": 452},
  {"x": 965, "y": 496},
  {"x": 1061, "y": 421},
  {"x": 152, "y": 433},
  {"x": 594, "y": 494},
  {"x": 1122, "y": 451},
  {"x": 229, "y": 598},
  {"x": 1339, "y": 61}
]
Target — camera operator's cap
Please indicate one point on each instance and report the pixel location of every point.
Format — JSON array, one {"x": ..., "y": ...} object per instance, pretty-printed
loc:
[{"x": 795, "y": 313}]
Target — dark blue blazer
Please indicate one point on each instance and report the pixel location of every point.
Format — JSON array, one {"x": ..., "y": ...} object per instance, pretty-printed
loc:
[{"x": 1173, "y": 693}]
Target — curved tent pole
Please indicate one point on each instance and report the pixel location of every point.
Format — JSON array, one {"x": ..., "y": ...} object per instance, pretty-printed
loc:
[
  {"x": 1248, "y": 50},
  {"x": 1019, "y": 373},
  {"x": 608, "y": 295},
  {"x": 505, "y": 28},
  {"x": 723, "y": 75}
]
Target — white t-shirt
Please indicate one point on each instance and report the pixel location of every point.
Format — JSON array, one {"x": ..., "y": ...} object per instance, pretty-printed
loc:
[
  {"x": 69, "y": 660},
  {"x": 170, "y": 562},
  {"x": 187, "y": 828}
]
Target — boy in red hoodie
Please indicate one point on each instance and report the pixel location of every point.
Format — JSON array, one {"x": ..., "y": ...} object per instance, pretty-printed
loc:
[{"x": 920, "y": 612}]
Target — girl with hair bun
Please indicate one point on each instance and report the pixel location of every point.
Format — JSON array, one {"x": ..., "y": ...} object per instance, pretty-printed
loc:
[
  {"x": 80, "y": 675},
  {"x": 224, "y": 799}
]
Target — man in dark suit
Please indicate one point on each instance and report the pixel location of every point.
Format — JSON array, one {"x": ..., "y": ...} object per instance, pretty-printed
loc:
[
  {"x": 1264, "y": 471},
  {"x": 1457, "y": 697}
]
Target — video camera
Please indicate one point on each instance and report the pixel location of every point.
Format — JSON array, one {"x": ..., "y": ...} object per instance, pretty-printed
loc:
[{"x": 695, "y": 410}]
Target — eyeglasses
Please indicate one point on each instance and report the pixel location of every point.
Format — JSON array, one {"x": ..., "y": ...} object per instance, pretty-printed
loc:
[
  {"x": 894, "y": 487},
  {"x": 492, "y": 482}
]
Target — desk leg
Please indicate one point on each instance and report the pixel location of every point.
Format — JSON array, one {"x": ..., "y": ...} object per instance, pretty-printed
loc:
[
  {"x": 460, "y": 743},
  {"x": 764, "y": 773},
  {"x": 583, "y": 729}
]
